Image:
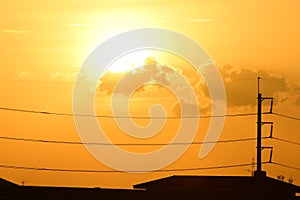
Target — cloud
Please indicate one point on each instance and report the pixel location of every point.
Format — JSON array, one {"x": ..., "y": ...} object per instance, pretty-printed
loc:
[
  {"x": 152, "y": 77},
  {"x": 293, "y": 95},
  {"x": 15, "y": 31},
  {"x": 63, "y": 76},
  {"x": 241, "y": 86},
  {"x": 23, "y": 74},
  {"x": 153, "y": 73},
  {"x": 67, "y": 73}
]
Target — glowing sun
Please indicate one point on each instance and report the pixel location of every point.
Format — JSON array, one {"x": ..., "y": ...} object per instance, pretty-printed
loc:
[{"x": 129, "y": 61}]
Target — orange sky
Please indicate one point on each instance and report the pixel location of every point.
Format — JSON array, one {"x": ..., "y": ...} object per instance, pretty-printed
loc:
[{"x": 43, "y": 46}]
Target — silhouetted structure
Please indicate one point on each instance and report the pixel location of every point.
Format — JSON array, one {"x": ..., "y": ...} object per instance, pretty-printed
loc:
[
  {"x": 223, "y": 187},
  {"x": 174, "y": 187},
  {"x": 11, "y": 191}
]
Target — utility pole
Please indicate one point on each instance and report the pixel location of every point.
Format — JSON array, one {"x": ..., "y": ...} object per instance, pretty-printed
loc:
[
  {"x": 259, "y": 124},
  {"x": 259, "y": 148}
]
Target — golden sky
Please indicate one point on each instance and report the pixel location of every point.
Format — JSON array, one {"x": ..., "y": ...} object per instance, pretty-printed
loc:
[{"x": 43, "y": 46}]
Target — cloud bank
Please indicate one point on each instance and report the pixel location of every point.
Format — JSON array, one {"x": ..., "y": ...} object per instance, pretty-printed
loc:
[{"x": 240, "y": 84}]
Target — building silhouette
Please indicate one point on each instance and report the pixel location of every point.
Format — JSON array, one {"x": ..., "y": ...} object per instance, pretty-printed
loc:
[
  {"x": 173, "y": 187},
  {"x": 223, "y": 187}
]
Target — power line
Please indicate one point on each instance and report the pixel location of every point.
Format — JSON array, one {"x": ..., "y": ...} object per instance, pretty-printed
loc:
[
  {"x": 124, "y": 144},
  {"x": 143, "y": 117},
  {"x": 287, "y": 141},
  {"x": 114, "y": 171},
  {"x": 274, "y": 81},
  {"x": 133, "y": 117},
  {"x": 280, "y": 82},
  {"x": 36, "y": 112},
  {"x": 17, "y": 167},
  {"x": 287, "y": 166},
  {"x": 286, "y": 116}
]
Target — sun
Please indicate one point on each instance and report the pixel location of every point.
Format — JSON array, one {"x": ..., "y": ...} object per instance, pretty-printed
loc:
[{"x": 130, "y": 61}]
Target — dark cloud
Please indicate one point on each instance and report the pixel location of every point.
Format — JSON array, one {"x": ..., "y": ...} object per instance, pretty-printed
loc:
[
  {"x": 294, "y": 95},
  {"x": 150, "y": 73},
  {"x": 241, "y": 85},
  {"x": 153, "y": 73}
]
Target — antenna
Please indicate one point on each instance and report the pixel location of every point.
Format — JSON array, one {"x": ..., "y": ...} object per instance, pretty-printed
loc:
[
  {"x": 258, "y": 84},
  {"x": 23, "y": 182},
  {"x": 252, "y": 166}
]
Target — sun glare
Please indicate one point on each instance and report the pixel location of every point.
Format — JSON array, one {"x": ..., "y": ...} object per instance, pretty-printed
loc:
[{"x": 130, "y": 61}]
